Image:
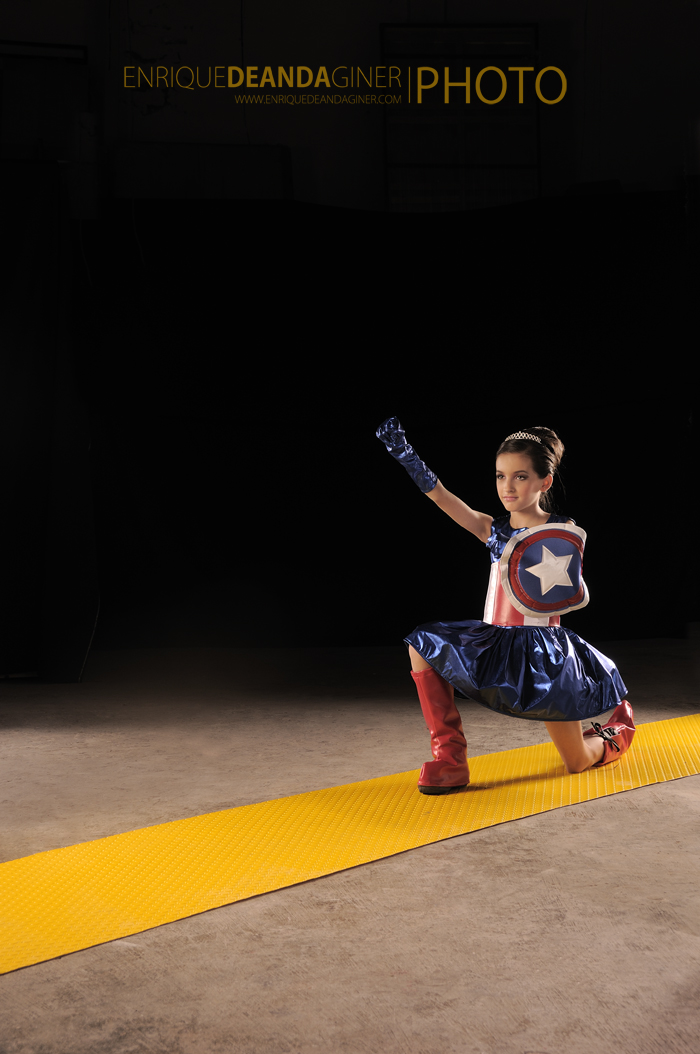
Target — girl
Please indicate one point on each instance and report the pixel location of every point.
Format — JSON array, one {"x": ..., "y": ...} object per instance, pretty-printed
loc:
[{"x": 531, "y": 668}]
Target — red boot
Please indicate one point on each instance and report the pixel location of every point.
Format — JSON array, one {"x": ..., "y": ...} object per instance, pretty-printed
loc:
[
  {"x": 617, "y": 735},
  {"x": 449, "y": 771}
]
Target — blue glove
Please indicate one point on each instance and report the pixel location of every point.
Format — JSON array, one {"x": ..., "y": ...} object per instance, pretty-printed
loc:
[{"x": 393, "y": 437}]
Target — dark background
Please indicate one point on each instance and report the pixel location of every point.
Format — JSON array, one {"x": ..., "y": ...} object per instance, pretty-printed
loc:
[{"x": 191, "y": 382}]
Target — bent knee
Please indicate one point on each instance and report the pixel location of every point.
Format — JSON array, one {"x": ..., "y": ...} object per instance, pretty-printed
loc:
[
  {"x": 572, "y": 769},
  {"x": 578, "y": 764}
]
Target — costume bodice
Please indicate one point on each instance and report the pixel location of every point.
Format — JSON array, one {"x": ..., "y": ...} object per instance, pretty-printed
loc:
[
  {"x": 502, "y": 532},
  {"x": 498, "y": 610}
]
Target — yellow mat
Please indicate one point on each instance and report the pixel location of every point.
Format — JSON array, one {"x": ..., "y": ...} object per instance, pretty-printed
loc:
[{"x": 63, "y": 900}]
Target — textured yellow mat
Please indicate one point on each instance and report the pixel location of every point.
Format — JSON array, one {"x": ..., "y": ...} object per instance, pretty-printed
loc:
[{"x": 66, "y": 899}]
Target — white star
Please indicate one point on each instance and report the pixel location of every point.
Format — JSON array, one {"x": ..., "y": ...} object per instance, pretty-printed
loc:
[{"x": 552, "y": 571}]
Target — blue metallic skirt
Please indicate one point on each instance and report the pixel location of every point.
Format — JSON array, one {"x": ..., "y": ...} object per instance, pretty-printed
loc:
[{"x": 543, "y": 673}]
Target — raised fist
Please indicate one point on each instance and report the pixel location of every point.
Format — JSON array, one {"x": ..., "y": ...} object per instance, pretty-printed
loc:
[
  {"x": 393, "y": 437},
  {"x": 392, "y": 434}
]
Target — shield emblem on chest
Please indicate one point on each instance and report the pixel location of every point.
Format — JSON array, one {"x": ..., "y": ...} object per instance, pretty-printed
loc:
[{"x": 541, "y": 570}]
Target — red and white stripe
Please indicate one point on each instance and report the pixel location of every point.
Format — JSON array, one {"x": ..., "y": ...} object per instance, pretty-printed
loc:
[{"x": 500, "y": 612}]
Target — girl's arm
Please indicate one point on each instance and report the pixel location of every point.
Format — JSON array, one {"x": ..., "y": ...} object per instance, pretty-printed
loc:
[
  {"x": 394, "y": 439},
  {"x": 476, "y": 522}
]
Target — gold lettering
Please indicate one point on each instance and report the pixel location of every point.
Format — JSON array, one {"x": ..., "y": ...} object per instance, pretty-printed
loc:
[
  {"x": 520, "y": 70},
  {"x": 458, "y": 84},
  {"x": 190, "y": 86},
  {"x": 504, "y": 84},
  {"x": 423, "y": 87},
  {"x": 540, "y": 96}
]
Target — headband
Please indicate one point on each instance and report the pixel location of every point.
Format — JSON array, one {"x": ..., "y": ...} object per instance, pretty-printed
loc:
[{"x": 522, "y": 435}]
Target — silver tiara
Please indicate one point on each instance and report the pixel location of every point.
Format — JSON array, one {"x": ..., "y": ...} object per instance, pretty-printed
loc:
[{"x": 522, "y": 435}]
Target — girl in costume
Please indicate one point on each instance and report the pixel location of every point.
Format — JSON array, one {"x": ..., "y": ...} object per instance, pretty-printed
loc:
[{"x": 528, "y": 667}]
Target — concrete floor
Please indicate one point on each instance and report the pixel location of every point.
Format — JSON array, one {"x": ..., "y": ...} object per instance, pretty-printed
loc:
[{"x": 572, "y": 932}]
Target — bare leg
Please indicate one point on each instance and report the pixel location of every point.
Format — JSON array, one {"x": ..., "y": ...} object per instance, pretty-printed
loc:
[
  {"x": 577, "y": 753},
  {"x": 417, "y": 661}
]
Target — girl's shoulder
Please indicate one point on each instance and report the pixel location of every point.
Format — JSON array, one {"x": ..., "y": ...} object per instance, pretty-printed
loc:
[
  {"x": 499, "y": 525},
  {"x": 501, "y": 530}
]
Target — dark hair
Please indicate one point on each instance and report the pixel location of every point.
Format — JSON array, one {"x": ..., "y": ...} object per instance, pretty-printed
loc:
[{"x": 545, "y": 456}]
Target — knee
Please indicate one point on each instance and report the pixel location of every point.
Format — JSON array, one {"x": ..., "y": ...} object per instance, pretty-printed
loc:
[
  {"x": 573, "y": 768},
  {"x": 578, "y": 763}
]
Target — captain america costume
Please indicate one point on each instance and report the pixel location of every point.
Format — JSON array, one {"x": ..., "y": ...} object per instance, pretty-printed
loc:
[
  {"x": 518, "y": 660},
  {"x": 522, "y": 665}
]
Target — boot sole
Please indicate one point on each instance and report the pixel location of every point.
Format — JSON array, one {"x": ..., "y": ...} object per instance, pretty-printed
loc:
[{"x": 441, "y": 790}]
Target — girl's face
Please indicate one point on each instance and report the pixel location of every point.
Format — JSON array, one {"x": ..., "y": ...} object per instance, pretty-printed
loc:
[{"x": 519, "y": 486}]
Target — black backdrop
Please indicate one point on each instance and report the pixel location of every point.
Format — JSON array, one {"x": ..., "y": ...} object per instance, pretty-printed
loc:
[
  {"x": 230, "y": 362},
  {"x": 252, "y": 351}
]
